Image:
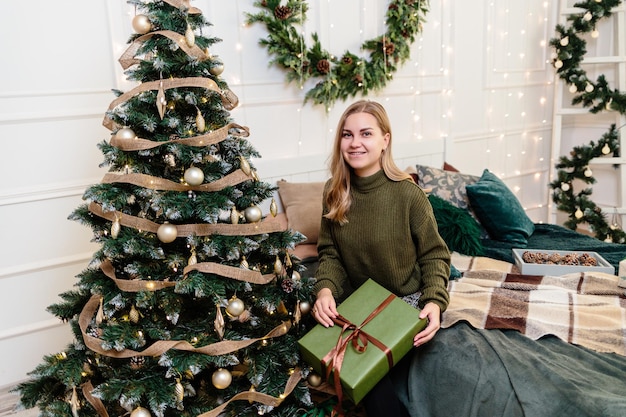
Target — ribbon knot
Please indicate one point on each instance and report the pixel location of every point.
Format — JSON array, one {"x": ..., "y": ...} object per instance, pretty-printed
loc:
[{"x": 359, "y": 339}]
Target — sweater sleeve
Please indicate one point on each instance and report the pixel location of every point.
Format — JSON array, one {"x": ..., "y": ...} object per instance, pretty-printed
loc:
[
  {"x": 330, "y": 274},
  {"x": 433, "y": 255}
]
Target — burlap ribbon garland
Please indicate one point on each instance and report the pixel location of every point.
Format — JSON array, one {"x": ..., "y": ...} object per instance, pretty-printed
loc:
[
  {"x": 157, "y": 183},
  {"x": 259, "y": 397},
  {"x": 238, "y": 273},
  {"x": 233, "y": 272},
  {"x": 359, "y": 339},
  {"x": 229, "y": 99},
  {"x": 269, "y": 225},
  {"x": 217, "y": 136},
  {"x": 135, "y": 285},
  {"x": 95, "y": 402},
  {"x": 161, "y": 346},
  {"x": 128, "y": 57}
]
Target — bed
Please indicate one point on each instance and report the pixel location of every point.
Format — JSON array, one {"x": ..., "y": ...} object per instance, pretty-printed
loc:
[{"x": 511, "y": 344}]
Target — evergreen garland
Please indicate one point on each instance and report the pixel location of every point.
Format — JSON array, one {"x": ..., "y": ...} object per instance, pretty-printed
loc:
[
  {"x": 338, "y": 77},
  {"x": 570, "y": 48}
]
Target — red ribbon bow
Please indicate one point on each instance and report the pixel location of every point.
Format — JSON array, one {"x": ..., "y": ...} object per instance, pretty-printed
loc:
[{"x": 333, "y": 361}]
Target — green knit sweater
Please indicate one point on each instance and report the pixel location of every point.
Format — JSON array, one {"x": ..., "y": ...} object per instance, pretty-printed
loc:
[{"x": 391, "y": 236}]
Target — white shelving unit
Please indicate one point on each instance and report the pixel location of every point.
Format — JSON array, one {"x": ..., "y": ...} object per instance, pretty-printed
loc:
[{"x": 564, "y": 112}]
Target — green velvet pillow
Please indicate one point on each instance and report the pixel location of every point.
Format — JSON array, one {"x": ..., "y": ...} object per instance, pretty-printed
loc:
[
  {"x": 457, "y": 228},
  {"x": 499, "y": 211}
]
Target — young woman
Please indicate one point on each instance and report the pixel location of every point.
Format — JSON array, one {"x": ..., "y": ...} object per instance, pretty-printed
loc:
[{"x": 377, "y": 223}]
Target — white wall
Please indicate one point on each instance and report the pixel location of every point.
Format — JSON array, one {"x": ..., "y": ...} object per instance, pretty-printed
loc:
[{"x": 477, "y": 93}]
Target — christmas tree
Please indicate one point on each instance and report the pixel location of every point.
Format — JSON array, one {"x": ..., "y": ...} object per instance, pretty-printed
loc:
[{"x": 192, "y": 306}]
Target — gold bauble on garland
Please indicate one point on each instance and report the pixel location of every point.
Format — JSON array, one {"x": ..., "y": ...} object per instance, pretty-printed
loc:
[
  {"x": 338, "y": 77},
  {"x": 140, "y": 412},
  {"x": 221, "y": 378},
  {"x": 141, "y": 24},
  {"x": 194, "y": 176},
  {"x": 167, "y": 233},
  {"x": 235, "y": 307},
  {"x": 253, "y": 214},
  {"x": 314, "y": 379}
]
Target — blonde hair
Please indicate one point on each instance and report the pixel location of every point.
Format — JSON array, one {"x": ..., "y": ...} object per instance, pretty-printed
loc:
[{"x": 338, "y": 198}]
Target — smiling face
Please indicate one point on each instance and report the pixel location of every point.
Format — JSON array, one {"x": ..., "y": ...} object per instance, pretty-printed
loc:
[{"x": 362, "y": 143}]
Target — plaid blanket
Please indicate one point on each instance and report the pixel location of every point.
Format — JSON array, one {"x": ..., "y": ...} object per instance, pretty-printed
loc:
[{"x": 586, "y": 309}]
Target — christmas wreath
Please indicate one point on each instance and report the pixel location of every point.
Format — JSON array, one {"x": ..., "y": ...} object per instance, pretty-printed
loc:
[
  {"x": 570, "y": 48},
  {"x": 339, "y": 77}
]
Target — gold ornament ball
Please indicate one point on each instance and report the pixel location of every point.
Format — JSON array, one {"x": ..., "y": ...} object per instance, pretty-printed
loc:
[
  {"x": 194, "y": 176},
  {"x": 125, "y": 134},
  {"x": 140, "y": 412},
  {"x": 141, "y": 24},
  {"x": 221, "y": 378},
  {"x": 217, "y": 69},
  {"x": 253, "y": 214},
  {"x": 235, "y": 307},
  {"x": 305, "y": 307},
  {"x": 167, "y": 233},
  {"x": 314, "y": 379}
]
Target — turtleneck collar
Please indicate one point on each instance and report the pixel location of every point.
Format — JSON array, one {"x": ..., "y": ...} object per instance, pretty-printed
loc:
[{"x": 365, "y": 184}]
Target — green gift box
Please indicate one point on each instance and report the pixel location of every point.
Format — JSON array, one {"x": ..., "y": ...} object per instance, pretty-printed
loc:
[{"x": 371, "y": 349}]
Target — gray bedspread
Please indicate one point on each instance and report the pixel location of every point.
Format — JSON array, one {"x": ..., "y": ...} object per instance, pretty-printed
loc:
[{"x": 467, "y": 372}]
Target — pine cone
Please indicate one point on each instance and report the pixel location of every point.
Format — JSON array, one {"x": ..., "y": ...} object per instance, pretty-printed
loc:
[
  {"x": 323, "y": 66},
  {"x": 282, "y": 12},
  {"x": 287, "y": 285},
  {"x": 358, "y": 78},
  {"x": 389, "y": 48},
  {"x": 347, "y": 60}
]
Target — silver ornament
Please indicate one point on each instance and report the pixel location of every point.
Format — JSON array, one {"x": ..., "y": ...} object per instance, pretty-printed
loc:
[
  {"x": 221, "y": 378},
  {"x": 194, "y": 176},
  {"x": 253, "y": 214},
  {"x": 167, "y": 233}
]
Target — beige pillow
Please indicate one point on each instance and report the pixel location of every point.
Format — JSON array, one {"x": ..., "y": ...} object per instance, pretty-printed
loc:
[{"x": 302, "y": 202}]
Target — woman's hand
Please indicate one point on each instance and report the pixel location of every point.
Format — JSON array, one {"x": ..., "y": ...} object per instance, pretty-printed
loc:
[
  {"x": 433, "y": 313},
  {"x": 325, "y": 308}
]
